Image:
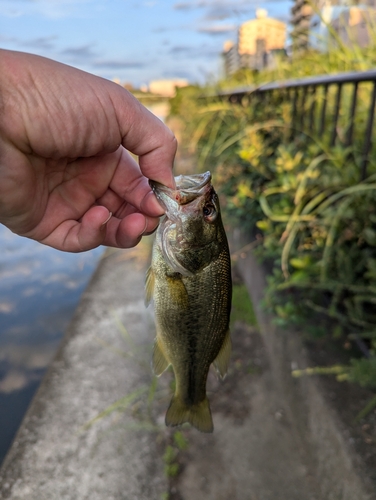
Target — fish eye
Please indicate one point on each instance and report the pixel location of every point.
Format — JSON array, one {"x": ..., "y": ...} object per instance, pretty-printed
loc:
[{"x": 209, "y": 212}]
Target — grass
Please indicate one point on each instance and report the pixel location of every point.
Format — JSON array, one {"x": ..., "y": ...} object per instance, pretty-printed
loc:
[{"x": 242, "y": 308}]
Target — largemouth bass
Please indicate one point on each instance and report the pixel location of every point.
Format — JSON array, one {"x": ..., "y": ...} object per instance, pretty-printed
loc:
[{"x": 190, "y": 281}]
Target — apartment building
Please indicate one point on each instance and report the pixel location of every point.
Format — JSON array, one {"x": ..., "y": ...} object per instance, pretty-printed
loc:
[
  {"x": 257, "y": 40},
  {"x": 301, "y": 14},
  {"x": 312, "y": 21}
]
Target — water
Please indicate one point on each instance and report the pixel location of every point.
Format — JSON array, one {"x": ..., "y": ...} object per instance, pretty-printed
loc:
[{"x": 39, "y": 291}]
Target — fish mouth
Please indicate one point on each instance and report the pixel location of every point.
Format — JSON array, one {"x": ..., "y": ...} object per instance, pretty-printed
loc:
[
  {"x": 188, "y": 188},
  {"x": 193, "y": 183}
]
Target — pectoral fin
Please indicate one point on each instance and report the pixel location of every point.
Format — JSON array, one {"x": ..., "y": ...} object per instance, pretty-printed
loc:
[
  {"x": 159, "y": 362},
  {"x": 221, "y": 362},
  {"x": 177, "y": 290},
  {"x": 149, "y": 286}
]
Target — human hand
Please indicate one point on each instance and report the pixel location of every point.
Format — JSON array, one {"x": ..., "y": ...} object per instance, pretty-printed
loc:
[{"x": 64, "y": 160}]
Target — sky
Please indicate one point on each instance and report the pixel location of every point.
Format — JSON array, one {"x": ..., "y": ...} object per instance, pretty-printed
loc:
[{"x": 135, "y": 41}]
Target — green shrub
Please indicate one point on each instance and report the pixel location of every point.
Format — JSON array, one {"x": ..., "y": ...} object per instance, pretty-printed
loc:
[{"x": 317, "y": 219}]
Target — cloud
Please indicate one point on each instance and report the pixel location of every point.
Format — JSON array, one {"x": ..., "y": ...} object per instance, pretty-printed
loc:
[
  {"x": 195, "y": 53},
  {"x": 18, "y": 270},
  {"x": 29, "y": 291},
  {"x": 217, "y": 4},
  {"x": 8, "y": 8},
  {"x": 27, "y": 357},
  {"x": 86, "y": 55},
  {"x": 84, "y": 52},
  {"x": 214, "y": 12},
  {"x": 161, "y": 29},
  {"x": 53, "y": 9},
  {"x": 8, "y": 39},
  {"x": 7, "y": 307},
  {"x": 189, "y": 5},
  {"x": 13, "y": 381},
  {"x": 24, "y": 365},
  {"x": 117, "y": 64},
  {"x": 39, "y": 43},
  {"x": 223, "y": 9},
  {"x": 42, "y": 43},
  {"x": 226, "y": 13},
  {"x": 58, "y": 9},
  {"x": 181, "y": 49},
  {"x": 222, "y": 12},
  {"x": 218, "y": 15},
  {"x": 217, "y": 29}
]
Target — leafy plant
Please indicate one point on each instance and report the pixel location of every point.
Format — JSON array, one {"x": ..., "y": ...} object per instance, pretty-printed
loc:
[
  {"x": 171, "y": 467},
  {"x": 171, "y": 455},
  {"x": 302, "y": 192}
]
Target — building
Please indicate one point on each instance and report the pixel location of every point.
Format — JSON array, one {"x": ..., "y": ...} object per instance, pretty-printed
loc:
[
  {"x": 166, "y": 88},
  {"x": 231, "y": 60},
  {"x": 312, "y": 21},
  {"x": 301, "y": 14},
  {"x": 354, "y": 25},
  {"x": 257, "y": 40},
  {"x": 261, "y": 35}
]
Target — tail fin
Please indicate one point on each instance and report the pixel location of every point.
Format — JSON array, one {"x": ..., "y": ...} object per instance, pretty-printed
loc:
[{"x": 198, "y": 415}]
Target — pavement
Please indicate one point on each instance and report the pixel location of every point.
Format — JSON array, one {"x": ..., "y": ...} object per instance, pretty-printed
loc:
[{"x": 95, "y": 429}]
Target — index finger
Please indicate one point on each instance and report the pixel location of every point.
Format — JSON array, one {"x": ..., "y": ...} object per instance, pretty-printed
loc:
[{"x": 146, "y": 136}]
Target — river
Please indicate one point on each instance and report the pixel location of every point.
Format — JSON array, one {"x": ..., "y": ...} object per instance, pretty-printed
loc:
[{"x": 39, "y": 290}]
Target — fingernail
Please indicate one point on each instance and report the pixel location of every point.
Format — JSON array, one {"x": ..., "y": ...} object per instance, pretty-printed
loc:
[
  {"x": 108, "y": 218},
  {"x": 145, "y": 228}
]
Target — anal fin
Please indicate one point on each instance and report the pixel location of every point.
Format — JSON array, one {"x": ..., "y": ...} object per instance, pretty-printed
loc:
[{"x": 159, "y": 361}]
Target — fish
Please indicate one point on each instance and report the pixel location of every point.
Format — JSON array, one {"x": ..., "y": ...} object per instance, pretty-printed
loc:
[{"x": 189, "y": 280}]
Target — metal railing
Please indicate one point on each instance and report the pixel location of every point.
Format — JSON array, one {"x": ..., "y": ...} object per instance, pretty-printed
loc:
[{"x": 309, "y": 99}]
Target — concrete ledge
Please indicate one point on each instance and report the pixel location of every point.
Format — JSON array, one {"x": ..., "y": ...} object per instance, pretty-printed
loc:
[
  {"x": 51, "y": 458},
  {"x": 337, "y": 467}
]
